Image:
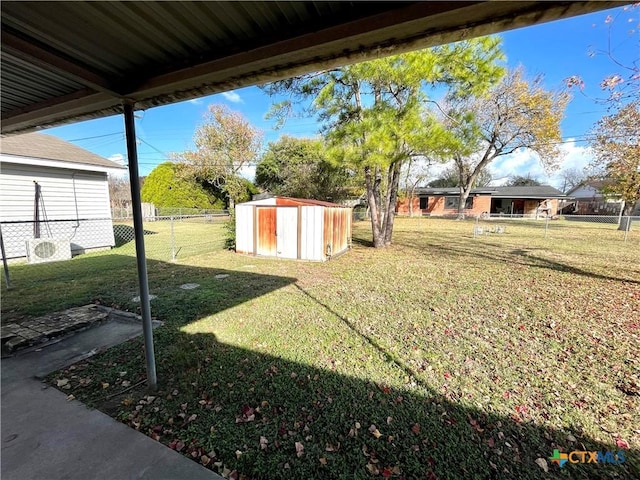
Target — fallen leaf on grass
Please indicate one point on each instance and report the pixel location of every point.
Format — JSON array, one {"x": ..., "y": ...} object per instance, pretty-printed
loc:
[
  {"x": 332, "y": 448},
  {"x": 416, "y": 428},
  {"x": 323, "y": 461},
  {"x": 247, "y": 415},
  {"x": 542, "y": 463},
  {"x": 372, "y": 469},
  {"x": 622, "y": 444},
  {"x": 70, "y": 397},
  {"x": 374, "y": 431},
  {"x": 205, "y": 460},
  {"x": 62, "y": 382},
  {"x": 299, "y": 449},
  {"x": 263, "y": 443}
]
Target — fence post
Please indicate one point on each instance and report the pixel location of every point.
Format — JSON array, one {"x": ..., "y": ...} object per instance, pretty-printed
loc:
[
  {"x": 5, "y": 265},
  {"x": 546, "y": 226},
  {"x": 173, "y": 242}
]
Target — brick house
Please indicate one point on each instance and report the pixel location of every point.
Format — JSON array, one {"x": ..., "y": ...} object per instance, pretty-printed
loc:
[{"x": 526, "y": 201}]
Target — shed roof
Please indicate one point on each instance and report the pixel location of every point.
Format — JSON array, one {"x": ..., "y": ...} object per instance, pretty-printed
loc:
[
  {"x": 281, "y": 201},
  {"x": 89, "y": 57},
  {"x": 48, "y": 147}
]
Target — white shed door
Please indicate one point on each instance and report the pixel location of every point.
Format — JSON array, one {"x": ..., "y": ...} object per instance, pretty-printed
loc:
[{"x": 287, "y": 232}]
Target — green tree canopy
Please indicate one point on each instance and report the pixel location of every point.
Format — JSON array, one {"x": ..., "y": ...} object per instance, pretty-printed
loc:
[
  {"x": 517, "y": 113},
  {"x": 166, "y": 187},
  {"x": 298, "y": 167},
  {"x": 373, "y": 113},
  {"x": 450, "y": 177},
  {"x": 523, "y": 181},
  {"x": 225, "y": 144}
]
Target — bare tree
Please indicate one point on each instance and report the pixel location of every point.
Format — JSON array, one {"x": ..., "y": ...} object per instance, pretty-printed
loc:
[{"x": 571, "y": 178}]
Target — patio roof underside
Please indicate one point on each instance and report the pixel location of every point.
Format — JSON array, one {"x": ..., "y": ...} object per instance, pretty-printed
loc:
[{"x": 68, "y": 61}]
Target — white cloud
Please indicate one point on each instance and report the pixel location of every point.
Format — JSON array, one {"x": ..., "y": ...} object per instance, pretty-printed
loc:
[
  {"x": 232, "y": 97},
  {"x": 117, "y": 157},
  {"x": 248, "y": 172},
  {"x": 525, "y": 162}
]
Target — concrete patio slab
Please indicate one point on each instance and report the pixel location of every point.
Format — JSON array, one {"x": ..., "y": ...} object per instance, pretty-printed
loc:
[{"x": 44, "y": 436}]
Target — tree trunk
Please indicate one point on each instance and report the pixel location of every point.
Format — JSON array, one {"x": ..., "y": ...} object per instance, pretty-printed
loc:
[
  {"x": 392, "y": 197},
  {"x": 625, "y": 221},
  {"x": 373, "y": 196}
]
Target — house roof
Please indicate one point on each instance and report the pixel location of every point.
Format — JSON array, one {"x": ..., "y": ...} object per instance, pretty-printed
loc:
[
  {"x": 538, "y": 191},
  {"x": 48, "y": 147},
  {"x": 91, "y": 57},
  {"x": 453, "y": 191},
  {"x": 597, "y": 185}
]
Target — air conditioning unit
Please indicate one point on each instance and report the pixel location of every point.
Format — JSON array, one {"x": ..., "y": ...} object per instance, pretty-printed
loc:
[{"x": 40, "y": 250}]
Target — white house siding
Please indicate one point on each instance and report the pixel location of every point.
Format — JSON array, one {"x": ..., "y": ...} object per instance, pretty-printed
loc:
[{"x": 76, "y": 207}]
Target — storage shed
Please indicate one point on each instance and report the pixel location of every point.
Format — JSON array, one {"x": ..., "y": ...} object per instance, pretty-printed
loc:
[{"x": 294, "y": 228}]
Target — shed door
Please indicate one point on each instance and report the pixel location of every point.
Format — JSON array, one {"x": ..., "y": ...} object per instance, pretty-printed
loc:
[
  {"x": 287, "y": 232},
  {"x": 266, "y": 234}
]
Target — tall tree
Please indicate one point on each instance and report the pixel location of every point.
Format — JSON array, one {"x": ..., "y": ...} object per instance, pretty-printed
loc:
[
  {"x": 414, "y": 172},
  {"x": 523, "y": 181},
  {"x": 119, "y": 191},
  {"x": 225, "y": 144},
  {"x": 450, "y": 178},
  {"x": 165, "y": 187},
  {"x": 373, "y": 116},
  {"x": 571, "y": 178},
  {"x": 623, "y": 85},
  {"x": 616, "y": 147},
  {"x": 515, "y": 114},
  {"x": 299, "y": 167}
]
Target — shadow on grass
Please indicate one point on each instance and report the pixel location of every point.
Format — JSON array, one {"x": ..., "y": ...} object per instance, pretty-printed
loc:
[
  {"x": 268, "y": 417},
  {"x": 273, "y": 418},
  {"x": 523, "y": 256},
  {"x": 124, "y": 234}
]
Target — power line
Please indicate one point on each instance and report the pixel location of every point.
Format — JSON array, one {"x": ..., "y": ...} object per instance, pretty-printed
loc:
[{"x": 96, "y": 136}]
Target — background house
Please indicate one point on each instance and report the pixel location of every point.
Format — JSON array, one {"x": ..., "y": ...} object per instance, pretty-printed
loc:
[
  {"x": 293, "y": 228},
  {"x": 588, "y": 199},
  {"x": 526, "y": 201},
  {"x": 51, "y": 189}
]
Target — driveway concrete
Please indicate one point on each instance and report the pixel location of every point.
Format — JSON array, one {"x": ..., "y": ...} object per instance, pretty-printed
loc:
[{"x": 44, "y": 436}]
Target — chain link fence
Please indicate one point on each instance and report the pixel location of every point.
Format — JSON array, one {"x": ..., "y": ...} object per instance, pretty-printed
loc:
[
  {"x": 604, "y": 228},
  {"x": 588, "y": 228},
  {"x": 47, "y": 246}
]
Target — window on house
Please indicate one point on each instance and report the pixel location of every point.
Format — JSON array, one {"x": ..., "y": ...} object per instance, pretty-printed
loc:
[
  {"x": 451, "y": 203},
  {"x": 424, "y": 203}
]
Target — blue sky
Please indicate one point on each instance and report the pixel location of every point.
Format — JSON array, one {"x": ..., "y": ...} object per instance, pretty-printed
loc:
[{"x": 556, "y": 50}]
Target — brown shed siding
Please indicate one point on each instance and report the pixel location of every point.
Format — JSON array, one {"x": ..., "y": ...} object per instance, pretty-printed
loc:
[
  {"x": 266, "y": 231},
  {"x": 336, "y": 229}
]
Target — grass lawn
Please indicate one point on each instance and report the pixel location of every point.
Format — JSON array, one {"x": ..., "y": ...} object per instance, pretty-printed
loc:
[{"x": 442, "y": 357}]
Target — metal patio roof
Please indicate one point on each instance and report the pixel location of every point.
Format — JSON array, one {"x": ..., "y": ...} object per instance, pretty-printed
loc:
[{"x": 69, "y": 61}]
